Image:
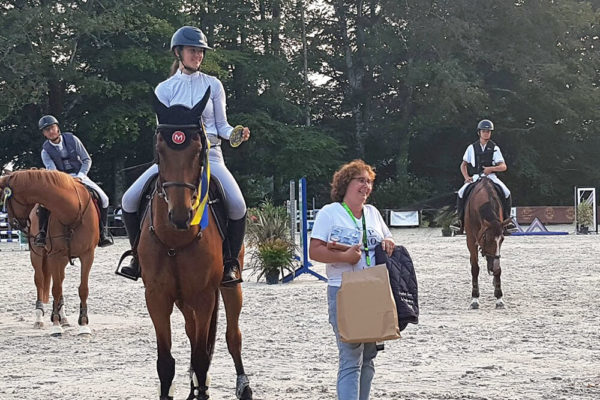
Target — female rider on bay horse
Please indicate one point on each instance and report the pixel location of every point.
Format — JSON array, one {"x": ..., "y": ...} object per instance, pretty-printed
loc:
[{"x": 186, "y": 87}]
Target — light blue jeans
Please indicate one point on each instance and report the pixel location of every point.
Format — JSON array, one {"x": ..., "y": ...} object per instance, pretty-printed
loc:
[{"x": 356, "y": 366}]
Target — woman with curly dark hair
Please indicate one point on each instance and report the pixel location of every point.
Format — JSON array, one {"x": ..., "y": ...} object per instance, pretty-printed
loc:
[{"x": 344, "y": 237}]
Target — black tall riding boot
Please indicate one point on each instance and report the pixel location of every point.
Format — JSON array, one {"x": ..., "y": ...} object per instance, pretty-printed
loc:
[
  {"x": 43, "y": 216},
  {"x": 509, "y": 227},
  {"x": 132, "y": 226},
  {"x": 236, "y": 229},
  {"x": 458, "y": 224},
  {"x": 105, "y": 236},
  {"x": 506, "y": 206}
]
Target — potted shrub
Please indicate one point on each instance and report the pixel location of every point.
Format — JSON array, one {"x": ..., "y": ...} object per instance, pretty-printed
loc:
[
  {"x": 444, "y": 218},
  {"x": 585, "y": 217},
  {"x": 271, "y": 247}
]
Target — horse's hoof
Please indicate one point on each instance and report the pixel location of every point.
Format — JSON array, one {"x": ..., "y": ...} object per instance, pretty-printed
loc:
[
  {"x": 247, "y": 394},
  {"x": 474, "y": 304},
  {"x": 242, "y": 388},
  {"x": 56, "y": 330},
  {"x": 84, "y": 330},
  {"x": 500, "y": 304},
  {"x": 169, "y": 395},
  {"x": 38, "y": 325}
]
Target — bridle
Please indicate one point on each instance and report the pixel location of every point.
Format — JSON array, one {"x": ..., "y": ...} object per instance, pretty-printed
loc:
[
  {"x": 160, "y": 185},
  {"x": 19, "y": 223},
  {"x": 483, "y": 253}
]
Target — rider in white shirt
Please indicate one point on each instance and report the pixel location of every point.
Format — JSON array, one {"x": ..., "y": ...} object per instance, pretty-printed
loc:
[{"x": 482, "y": 158}]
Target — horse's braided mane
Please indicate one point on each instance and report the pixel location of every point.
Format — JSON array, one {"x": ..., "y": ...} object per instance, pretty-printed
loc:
[{"x": 42, "y": 176}]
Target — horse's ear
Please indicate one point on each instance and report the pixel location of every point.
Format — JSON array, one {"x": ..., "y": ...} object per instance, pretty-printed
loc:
[
  {"x": 199, "y": 107},
  {"x": 159, "y": 108}
]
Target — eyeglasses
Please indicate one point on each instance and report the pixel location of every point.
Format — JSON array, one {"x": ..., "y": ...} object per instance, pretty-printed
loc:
[{"x": 363, "y": 181}]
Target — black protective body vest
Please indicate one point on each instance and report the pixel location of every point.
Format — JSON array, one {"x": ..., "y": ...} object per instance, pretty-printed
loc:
[
  {"x": 73, "y": 159},
  {"x": 483, "y": 158}
]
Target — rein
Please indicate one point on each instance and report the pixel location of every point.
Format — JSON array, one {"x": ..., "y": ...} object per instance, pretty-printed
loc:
[{"x": 161, "y": 192}]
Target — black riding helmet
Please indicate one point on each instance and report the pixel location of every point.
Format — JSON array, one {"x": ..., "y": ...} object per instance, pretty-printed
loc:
[
  {"x": 189, "y": 36},
  {"x": 485, "y": 124},
  {"x": 46, "y": 121}
]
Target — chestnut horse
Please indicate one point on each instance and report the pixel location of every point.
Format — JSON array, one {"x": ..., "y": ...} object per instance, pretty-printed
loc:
[
  {"x": 181, "y": 263},
  {"x": 484, "y": 227},
  {"x": 72, "y": 233}
]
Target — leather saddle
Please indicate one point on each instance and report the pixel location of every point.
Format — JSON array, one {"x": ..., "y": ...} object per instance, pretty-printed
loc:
[{"x": 469, "y": 190}]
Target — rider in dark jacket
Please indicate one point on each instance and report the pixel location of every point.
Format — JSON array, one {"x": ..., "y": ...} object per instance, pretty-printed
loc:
[{"x": 64, "y": 152}]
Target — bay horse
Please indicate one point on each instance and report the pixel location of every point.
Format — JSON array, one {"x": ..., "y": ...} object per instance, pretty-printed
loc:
[
  {"x": 181, "y": 263},
  {"x": 484, "y": 227},
  {"x": 72, "y": 233}
]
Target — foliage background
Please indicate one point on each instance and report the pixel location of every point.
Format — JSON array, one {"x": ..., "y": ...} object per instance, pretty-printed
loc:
[{"x": 401, "y": 84}]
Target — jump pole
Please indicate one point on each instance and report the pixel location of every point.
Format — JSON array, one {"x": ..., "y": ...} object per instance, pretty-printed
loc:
[{"x": 306, "y": 264}]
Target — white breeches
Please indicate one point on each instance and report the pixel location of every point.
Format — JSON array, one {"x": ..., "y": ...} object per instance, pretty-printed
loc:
[
  {"x": 234, "y": 200},
  {"x": 494, "y": 179},
  {"x": 88, "y": 182}
]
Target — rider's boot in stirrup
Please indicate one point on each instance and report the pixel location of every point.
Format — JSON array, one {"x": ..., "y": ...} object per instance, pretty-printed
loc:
[
  {"x": 510, "y": 226},
  {"x": 106, "y": 238},
  {"x": 458, "y": 225},
  {"x": 232, "y": 274},
  {"x": 132, "y": 226},
  {"x": 43, "y": 215}
]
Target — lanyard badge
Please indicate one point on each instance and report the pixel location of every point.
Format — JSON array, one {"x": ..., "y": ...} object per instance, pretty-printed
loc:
[{"x": 364, "y": 229}]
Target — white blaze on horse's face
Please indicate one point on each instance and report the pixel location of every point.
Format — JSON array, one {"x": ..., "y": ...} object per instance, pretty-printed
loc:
[{"x": 498, "y": 243}]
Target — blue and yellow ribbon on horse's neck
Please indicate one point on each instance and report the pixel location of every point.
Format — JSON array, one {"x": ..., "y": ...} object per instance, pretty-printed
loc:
[{"x": 201, "y": 203}]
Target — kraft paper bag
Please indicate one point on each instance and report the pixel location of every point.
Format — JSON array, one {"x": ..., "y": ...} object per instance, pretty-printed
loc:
[{"x": 366, "y": 310}]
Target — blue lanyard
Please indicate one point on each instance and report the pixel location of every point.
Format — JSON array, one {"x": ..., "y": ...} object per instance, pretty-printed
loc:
[{"x": 364, "y": 224}]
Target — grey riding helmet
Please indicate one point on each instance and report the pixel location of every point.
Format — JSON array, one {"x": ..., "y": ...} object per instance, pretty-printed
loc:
[
  {"x": 189, "y": 36},
  {"x": 46, "y": 121}
]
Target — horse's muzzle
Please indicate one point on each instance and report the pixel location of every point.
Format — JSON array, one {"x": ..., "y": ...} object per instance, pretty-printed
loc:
[{"x": 181, "y": 223}]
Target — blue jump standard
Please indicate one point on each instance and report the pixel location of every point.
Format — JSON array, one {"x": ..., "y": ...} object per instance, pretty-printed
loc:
[{"x": 305, "y": 268}]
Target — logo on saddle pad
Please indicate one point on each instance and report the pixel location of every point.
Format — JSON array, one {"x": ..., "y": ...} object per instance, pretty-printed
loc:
[{"x": 178, "y": 137}]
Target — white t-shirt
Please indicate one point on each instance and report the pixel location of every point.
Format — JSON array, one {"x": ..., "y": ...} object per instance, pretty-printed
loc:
[{"x": 334, "y": 215}]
